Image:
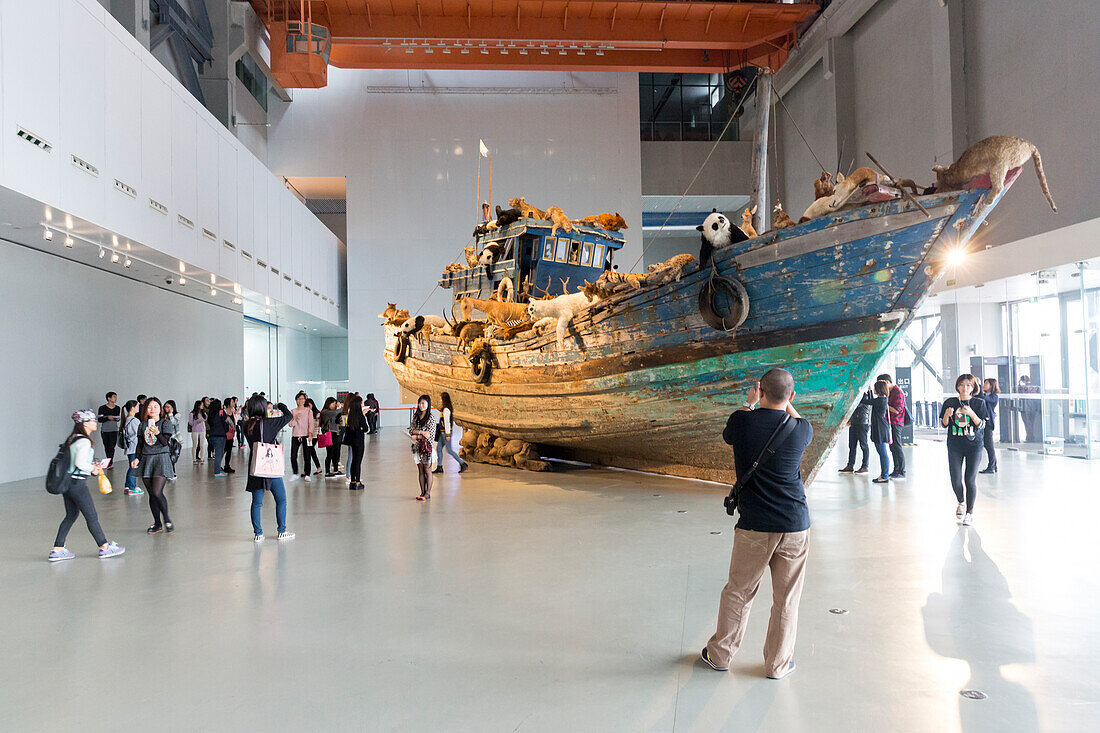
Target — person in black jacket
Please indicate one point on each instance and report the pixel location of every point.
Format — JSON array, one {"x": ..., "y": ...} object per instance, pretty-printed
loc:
[
  {"x": 964, "y": 417},
  {"x": 260, "y": 428},
  {"x": 859, "y": 425},
  {"x": 153, "y": 461},
  {"x": 881, "y": 434},
  {"x": 991, "y": 394}
]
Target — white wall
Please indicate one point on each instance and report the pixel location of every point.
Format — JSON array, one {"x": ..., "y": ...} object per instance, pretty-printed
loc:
[
  {"x": 72, "y": 333},
  {"x": 411, "y": 163},
  {"x": 910, "y": 80}
]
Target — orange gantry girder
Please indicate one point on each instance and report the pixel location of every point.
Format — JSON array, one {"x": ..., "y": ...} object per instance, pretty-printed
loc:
[{"x": 679, "y": 35}]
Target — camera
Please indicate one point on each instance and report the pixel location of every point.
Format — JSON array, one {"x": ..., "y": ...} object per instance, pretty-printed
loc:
[{"x": 168, "y": 281}]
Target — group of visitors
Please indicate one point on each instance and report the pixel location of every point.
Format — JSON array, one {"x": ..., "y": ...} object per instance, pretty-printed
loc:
[
  {"x": 151, "y": 433},
  {"x": 969, "y": 418}
]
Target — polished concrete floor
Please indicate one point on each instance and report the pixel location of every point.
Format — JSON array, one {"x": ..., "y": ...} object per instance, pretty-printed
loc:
[{"x": 572, "y": 601}]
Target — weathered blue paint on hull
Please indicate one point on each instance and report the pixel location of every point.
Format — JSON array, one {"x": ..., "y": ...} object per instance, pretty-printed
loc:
[{"x": 644, "y": 382}]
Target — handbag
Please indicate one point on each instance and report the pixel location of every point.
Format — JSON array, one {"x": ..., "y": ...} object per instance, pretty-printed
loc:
[
  {"x": 174, "y": 449},
  {"x": 778, "y": 437},
  {"x": 325, "y": 440},
  {"x": 267, "y": 461}
]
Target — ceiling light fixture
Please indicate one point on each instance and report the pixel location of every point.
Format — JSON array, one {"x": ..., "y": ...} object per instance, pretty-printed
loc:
[
  {"x": 213, "y": 291},
  {"x": 523, "y": 52},
  {"x": 114, "y": 257},
  {"x": 128, "y": 262},
  {"x": 267, "y": 311},
  {"x": 47, "y": 234},
  {"x": 102, "y": 253},
  {"x": 183, "y": 281},
  {"x": 69, "y": 242}
]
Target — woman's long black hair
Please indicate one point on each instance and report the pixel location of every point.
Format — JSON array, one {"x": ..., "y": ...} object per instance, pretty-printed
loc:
[
  {"x": 78, "y": 432},
  {"x": 197, "y": 409},
  {"x": 355, "y": 412},
  {"x": 421, "y": 419},
  {"x": 445, "y": 402}
]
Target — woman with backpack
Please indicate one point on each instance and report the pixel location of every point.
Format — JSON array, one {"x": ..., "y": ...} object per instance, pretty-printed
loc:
[
  {"x": 74, "y": 489},
  {"x": 153, "y": 460},
  {"x": 260, "y": 428},
  {"x": 129, "y": 438},
  {"x": 196, "y": 423},
  {"x": 443, "y": 434},
  {"x": 217, "y": 427},
  {"x": 422, "y": 432}
]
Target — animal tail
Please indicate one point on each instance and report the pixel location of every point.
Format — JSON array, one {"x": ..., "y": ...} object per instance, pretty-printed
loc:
[{"x": 1038, "y": 161}]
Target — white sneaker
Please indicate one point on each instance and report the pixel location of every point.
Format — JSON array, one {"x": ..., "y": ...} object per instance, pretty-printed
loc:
[
  {"x": 783, "y": 672},
  {"x": 960, "y": 510},
  {"x": 968, "y": 519},
  {"x": 258, "y": 538},
  {"x": 306, "y": 478},
  {"x": 286, "y": 536}
]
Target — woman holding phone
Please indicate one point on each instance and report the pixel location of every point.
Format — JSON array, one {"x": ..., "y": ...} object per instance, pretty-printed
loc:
[
  {"x": 964, "y": 417},
  {"x": 422, "y": 432},
  {"x": 153, "y": 460}
]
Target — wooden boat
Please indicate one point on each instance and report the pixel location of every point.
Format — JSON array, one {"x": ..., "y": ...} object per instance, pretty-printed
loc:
[{"x": 650, "y": 376}]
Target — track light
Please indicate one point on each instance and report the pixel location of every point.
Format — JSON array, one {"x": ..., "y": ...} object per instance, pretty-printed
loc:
[
  {"x": 544, "y": 52},
  {"x": 183, "y": 281},
  {"x": 114, "y": 257},
  {"x": 69, "y": 242},
  {"x": 102, "y": 253},
  {"x": 213, "y": 291},
  {"x": 523, "y": 52},
  {"x": 47, "y": 234},
  {"x": 127, "y": 263}
]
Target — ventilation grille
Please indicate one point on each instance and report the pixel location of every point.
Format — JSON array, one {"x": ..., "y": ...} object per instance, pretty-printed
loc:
[
  {"x": 287, "y": 278},
  {"x": 85, "y": 166},
  {"x": 209, "y": 234},
  {"x": 246, "y": 255},
  {"x": 185, "y": 221},
  {"x": 128, "y": 190},
  {"x": 261, "y": 263},
  {"x": 309, "y": 289},
  {"x": 229, "y": 245},
  {"x": 327, "y": 206},
  {"x": 33, "y": 139},
  {"x": 297, "y": 283},
  {"x": 158, "y": 206},
  {"x": 274, "y": 270}
]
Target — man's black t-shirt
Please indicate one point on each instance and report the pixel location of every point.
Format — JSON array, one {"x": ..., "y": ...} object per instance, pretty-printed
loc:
[
  {"x": 105, "y": 425},
  {"x": 775, "y": 499},
  {"x": 962, "y": 432}
]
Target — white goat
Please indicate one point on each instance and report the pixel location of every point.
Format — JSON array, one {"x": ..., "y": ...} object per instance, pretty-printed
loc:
[{"x": 563, "y": 308}]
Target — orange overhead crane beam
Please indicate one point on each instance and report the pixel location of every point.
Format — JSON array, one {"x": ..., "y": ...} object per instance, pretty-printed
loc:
[{"x": 675, "y": 36}]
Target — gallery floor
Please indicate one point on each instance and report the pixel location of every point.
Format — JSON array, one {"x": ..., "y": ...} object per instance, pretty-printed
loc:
[{"x": 574, "y": 601}]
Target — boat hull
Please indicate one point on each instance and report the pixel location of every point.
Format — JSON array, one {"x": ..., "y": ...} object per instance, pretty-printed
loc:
[{"x": 643, "y": 382}]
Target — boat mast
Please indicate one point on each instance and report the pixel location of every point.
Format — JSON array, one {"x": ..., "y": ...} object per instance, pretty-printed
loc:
[{"x": 760, "y": 150}]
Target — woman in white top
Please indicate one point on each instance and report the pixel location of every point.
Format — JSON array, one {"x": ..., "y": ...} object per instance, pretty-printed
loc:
[
  {"x": 78, "y": 500},
  {"x": 443, "y": 435}
]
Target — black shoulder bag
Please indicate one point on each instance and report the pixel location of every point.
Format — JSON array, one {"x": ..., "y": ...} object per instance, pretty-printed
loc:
[{"x": 778, "y": 437}]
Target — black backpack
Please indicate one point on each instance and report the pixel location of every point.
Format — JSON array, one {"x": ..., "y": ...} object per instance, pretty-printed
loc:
[{"x": 58, "y": 473}]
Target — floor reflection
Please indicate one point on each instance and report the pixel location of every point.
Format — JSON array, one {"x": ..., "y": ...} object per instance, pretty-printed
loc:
[{"x": 974, "y": 620}]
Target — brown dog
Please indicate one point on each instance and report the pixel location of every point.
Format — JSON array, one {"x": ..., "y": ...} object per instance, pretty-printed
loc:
[{"x": 525, "y": 209}]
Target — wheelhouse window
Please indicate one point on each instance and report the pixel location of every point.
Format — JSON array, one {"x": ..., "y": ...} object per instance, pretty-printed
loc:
[
  {"x": 575, "y": 253},
  {"x": 562, "y": 251},
  {"x": 548, "y": 250},
  {"x": 597, "y": 257},
  {"x": 586, "y": 254}
]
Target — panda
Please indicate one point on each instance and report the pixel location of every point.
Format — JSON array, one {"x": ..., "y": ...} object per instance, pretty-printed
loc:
[{"x": 717, "y": 232}]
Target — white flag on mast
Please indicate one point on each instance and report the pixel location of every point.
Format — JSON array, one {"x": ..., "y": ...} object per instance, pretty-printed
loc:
[{"x": 484, "y": 150}]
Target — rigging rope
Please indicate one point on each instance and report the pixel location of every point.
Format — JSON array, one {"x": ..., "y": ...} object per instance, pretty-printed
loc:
[
  {"x": 784, "y": 105},
  {"x": 714, "y": 147}
]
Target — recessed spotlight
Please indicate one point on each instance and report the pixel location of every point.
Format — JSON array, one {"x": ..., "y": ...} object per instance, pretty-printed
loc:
[
  {"x": 183, "y": 281},
  {"x": 114, "y": 257},
  {"x": 47, "y": 234},
  {"x": 69, "y": 242},
  {"x": 127, "y": 263}
]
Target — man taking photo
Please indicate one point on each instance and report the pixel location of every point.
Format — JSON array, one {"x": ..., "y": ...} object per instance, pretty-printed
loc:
[{"x": 773, "y": 527}]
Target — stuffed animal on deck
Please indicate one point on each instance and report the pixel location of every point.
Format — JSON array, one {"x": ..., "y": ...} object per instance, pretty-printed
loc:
[
  {"x": 780, "y": 219},
  {"x": 507, "y": 216},
  {"x": 561, "y": 221},
  {"x": 525, "y": 209},
  {"x": 716, "y": 232},
  {"x": 994, "y": 157}
]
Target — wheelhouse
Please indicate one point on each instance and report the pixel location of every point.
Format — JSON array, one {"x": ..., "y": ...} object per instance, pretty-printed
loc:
[{"x": 534, "y": 261}]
